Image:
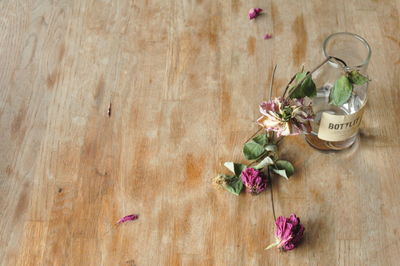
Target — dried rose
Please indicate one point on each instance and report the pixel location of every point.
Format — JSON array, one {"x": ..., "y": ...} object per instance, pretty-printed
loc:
[
  {"x": 288, "y": 232},
  {"x": 254, "y": 180},
  {"x": 286, "y": 116},
  {"x": 254, "y": 12},
  {"x": 267, "y": 36},
  {"x": 130, "y": 217}
]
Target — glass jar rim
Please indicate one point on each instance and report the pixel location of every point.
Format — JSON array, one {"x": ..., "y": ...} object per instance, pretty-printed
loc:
[{"x": 358, "y": 37}]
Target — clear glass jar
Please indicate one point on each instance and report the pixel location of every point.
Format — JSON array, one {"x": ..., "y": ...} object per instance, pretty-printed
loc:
[{"x": 336, "y": 127}]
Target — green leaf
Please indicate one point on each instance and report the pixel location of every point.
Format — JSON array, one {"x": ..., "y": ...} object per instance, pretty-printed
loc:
[
  {"x": 252, "y": 150},
  {"x": 235, "y": 168},
  {"x": 306, "y": 88},
  {"x": 266, "y": 161},
  {"x": 286, "y": 165},
  {"x": 341, "y": 91},
  {"x": 271, "y": 147},
  {"x": 261, "y": 139},
  {"x": 280, "y": 172},
  {"x": 283, "y": 168},
  {"x": 233, "y": 184},
  {"x": 356, "y": 78}
]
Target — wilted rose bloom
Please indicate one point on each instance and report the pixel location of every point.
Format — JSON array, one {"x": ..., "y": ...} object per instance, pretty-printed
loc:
[
  {"x": 286, "y": 116},
  {"x": 254, "y": 12},
  {"x": 288, "y": 232},
  {"x": 254, "y": 180}
]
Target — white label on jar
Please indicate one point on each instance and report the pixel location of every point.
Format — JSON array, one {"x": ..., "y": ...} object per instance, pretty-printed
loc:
[{"x": 339, "y": 127}]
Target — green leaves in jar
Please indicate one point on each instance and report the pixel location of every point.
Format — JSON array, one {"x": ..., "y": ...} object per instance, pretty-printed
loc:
[
  {"x": 344, "y": 85},
  {"x": 356, "y": 78},
  {"x": 341, "y": 91}
]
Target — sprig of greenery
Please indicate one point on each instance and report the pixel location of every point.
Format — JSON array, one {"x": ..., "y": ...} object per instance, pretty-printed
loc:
[{"x": 340, "y": 92}]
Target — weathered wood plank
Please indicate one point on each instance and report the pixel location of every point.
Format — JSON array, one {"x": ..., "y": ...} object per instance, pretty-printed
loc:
[{"x": 183, "y": 80}]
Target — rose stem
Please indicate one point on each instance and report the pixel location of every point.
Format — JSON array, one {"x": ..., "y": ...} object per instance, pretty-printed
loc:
[
  {"x": 272, "y": 82},
  {"x": 258, "y": 160},
  {"x": 270, "y": 95},
  {"x": 253, "y": 135},
  {"x": 272, "y": 194},
  {"x": 287, "y": 86},
  {"x": 270, "y": 91},
  {"x": 279, "y": 140}
]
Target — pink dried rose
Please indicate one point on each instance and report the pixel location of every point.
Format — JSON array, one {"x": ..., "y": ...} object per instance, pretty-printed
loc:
[
  {"x": 254, "y": 12},
  {"x": 288, "y": 232},
  {"x": 286, "y": 116},
  {"x": 267, "y": 36},
  {"x": 254, "y": 181},
  {"x": 130, "y": 217}
]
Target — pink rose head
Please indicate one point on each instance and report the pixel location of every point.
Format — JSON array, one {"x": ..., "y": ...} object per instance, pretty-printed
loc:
[
  {"x": 288, "y": 232},
  {"x": 254, "y": 12},
  {"x": 254, "y": 181},
  {"x": 286, "y": 116}
]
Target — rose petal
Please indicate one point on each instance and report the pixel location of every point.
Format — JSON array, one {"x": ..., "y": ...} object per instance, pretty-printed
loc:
[
  {"x": 130, "y": 217},
  {"x": 267, "y": 36},
  {"x": 254, "y": 12}
]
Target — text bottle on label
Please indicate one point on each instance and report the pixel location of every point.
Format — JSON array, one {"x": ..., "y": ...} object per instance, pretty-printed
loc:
[{"x": 339, "y": 127}]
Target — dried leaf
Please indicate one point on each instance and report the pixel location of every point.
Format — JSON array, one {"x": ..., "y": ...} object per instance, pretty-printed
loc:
[
  {"x": 356, "y": 78},
  {"x": 252, "y": 150},
  {"x": 235, "y": 168},
  {"x": 266, "y": 161}
]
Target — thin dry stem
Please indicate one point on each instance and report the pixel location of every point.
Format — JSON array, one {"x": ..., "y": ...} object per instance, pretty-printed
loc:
[
  {"x": 272, "y": 194},
  {"x": 272, "y": 82}
]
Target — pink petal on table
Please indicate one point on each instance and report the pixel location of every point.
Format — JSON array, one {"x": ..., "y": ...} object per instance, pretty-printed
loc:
[
  {"x": 254, "y": 12},
  {"x": 267, "y": 36},
  {"x": 131, "y": 217}
]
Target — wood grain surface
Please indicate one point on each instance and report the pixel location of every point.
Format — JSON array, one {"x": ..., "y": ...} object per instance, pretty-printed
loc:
[{"x": 183, "y": 80}]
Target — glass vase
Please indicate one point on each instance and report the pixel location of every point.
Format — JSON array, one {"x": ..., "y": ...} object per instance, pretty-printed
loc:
[{"x": 335, "y": 127}]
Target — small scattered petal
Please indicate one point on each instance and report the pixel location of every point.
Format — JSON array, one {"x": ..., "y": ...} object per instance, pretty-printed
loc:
[
  {"x": 267, "y": 36},
  {"x": 131, "y": 217},
  {"x": 254, "y": 12}
]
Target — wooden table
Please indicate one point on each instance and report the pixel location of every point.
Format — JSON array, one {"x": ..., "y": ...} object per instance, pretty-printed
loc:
[{"x": 183, "y": 80}]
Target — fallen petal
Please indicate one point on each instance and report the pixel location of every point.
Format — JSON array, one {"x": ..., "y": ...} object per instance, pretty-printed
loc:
[
  {"x": 254, "y": 12},
  {"x": 130, "y": 217},
  {"x": 267, "y": 36}
]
